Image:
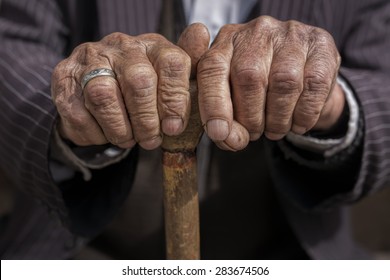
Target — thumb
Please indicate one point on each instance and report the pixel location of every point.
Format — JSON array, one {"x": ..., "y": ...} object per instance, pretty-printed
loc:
[{"x": 194, "y": 41}]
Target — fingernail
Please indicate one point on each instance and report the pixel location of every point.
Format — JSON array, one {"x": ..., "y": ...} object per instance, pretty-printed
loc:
[
  {"x": 172, "y": 126},
  {"x": 298, "y": 129},
  {"x": 217, "y": 130}
]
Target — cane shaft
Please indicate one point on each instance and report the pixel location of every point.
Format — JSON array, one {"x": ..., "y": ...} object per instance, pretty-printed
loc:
[{"x": 181, "y": 205}]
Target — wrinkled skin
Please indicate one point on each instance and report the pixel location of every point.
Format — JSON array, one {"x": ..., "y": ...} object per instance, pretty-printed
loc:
[{"x": 265, "y": 77}]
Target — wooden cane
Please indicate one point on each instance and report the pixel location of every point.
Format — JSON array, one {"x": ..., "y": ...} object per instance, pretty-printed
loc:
[{"x": 181, "y": 206}]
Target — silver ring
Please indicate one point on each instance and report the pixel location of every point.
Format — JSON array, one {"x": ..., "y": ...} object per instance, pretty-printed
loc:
[{"x": 96, "y": 73}]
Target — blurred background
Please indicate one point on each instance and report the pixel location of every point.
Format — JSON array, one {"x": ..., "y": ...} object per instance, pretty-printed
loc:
[{"x": 371, "y": 223}]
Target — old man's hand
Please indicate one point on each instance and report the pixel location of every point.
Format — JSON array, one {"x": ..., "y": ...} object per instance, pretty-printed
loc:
[
  {"x": 123, "y": 90},
  {"x": 269, "y": 77}
]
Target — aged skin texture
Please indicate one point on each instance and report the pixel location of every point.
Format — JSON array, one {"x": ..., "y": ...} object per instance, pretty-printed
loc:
[{"x": 263, "y": 77}]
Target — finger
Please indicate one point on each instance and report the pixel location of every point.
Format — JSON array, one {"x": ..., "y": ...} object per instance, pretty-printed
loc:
[
  {"x": 319, "y": 77},
  {"x": 76, "y": 123},
  {"x": 102, "y": 95},
  {"x": 104, "y": 101},
  {"x": 195, "y": 41},
  {"x": 173, "y": 67},
  {"x": 285, "y": 85},
  {"x": 215, "y": 104},
  {"x": 138, "y": 82},
  {"x": 332, "y": 110},
  {"x": 237, "y": 140},
  {"x": 249, "y": 76}
]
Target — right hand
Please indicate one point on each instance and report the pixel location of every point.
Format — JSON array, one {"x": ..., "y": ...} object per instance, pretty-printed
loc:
[{"x": 149, "y": 96}]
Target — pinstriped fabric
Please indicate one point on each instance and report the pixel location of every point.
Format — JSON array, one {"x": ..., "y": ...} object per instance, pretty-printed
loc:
[
  {"x": 26, "y": 107},
  {"x": 27, "y": 116},
  {"x": 132, "y": 17},
  {"x": 34, "y": 36}
]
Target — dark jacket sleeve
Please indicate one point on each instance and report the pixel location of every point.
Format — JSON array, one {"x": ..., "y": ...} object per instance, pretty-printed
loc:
[
  {"x": 33, "y": 39},
  {"x": 362, "y": 33}
]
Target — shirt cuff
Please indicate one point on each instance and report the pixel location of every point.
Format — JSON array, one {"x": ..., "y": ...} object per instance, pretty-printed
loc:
[
  {"x": 330, "y": 147},
  {"x": 66, "y": 159}
]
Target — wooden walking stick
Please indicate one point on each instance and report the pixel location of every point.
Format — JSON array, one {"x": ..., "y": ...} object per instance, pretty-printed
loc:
[{"x": 181, "y": 206}]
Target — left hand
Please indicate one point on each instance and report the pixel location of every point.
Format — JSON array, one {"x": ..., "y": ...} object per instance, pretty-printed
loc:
[{"x": 271, "y": 77}]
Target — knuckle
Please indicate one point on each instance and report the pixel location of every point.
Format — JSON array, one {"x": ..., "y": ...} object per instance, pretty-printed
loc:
[
  {"x": 115, "y": 37},
  {"x": 293, "y": 25},
  {"x": 120, "y": 42},
  {"x": 141, "y": 84},
  {"x": 297, "y": 33},
  {"x": 152, "y": 37},
  {"x": 305, "y": 113},
  {"x": 174, "y": 104},
  {"x": 173, "y": 91},
  {"x": 265, "y": 25},
  {"x": 324, "y": 46},
  {"x": 227, "y": 28},
  {"x": 213, "y": 63},
  {"x": 85, "y": 53},
  {"x": 266, "y": 21},
  {"x": 173, "y": 62},
  {"x": 141, "y": 77},
  {"x": 318, "y": 83},
  {"x": 249, "y": 77},
  {"x": 146, "y": 120},
  {"x": 310, "y": 105},
  {"x": 100, "y": 94},
  {"x": 213, "y": 57},
  {"x": 321, "y": 36},
  {"x": 286, "y": 81}
]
